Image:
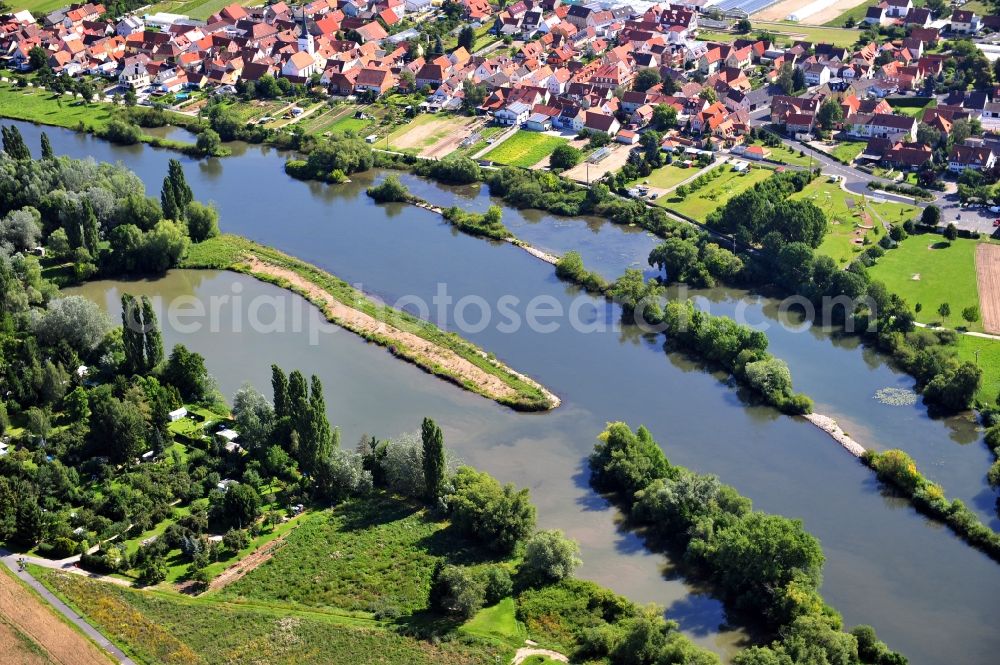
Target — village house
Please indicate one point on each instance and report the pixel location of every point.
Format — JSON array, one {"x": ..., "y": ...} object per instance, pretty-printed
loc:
[
  {"x": 881, "y": 125},
  {"x": 979, "y": 158}
]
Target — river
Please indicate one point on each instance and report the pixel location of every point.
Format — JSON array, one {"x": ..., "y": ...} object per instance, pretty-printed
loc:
[{"x": 927, "y": 593}]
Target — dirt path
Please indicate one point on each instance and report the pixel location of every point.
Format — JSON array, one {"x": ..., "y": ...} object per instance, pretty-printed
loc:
[
  {"x": 449, "y": 144},
  {"x": 430, "y": 354},
  {"x": 526, "y": 652},
  {"x": 25, "y": 611},
  {"x": 245, "y": 565},
  {"x": 988, "y": 280}
]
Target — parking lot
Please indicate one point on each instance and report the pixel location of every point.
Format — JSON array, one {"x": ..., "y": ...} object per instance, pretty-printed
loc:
[{"x": 971, "y": 218}]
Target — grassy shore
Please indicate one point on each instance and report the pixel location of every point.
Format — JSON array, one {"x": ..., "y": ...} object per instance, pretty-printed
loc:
[{"x": 469, "y": 366}]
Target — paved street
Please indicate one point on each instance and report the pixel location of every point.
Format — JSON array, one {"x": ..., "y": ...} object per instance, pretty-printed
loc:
[{"x": 10, "y": 560}]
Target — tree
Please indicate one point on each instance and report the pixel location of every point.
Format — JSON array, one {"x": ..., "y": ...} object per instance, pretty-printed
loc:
[
  {"x": 798, "y": 79},
  {"x": 202, "y": 221},
  {"x": 20, "y": 230},
  {"x": 38, "y": 58},
  {"x": 208, "y": 142},
  {"x": 931, "y": 216},
  {"x": 254, "y": 418},
  {"x": 664, "y": 116},
  {"x": 498, "y": 516},
  {"x": 39, "y": 424},
  {"x": 456, "y": 591},
  {"x": 944, "y": 310},
  {"x": 175, "y": 195},
  {"x": 830, "y": 113},
  {"x": 708, "y": 94},
  {"x": 241, "y": 505},
  {"x": 13, "y": 143},
  {"x": 131, "y": 99},
  {"x": 627, "y": 462},
  {"x": 433, "y": 459},
  {"x": 786, "y": 78},
  {"x": 950, "y": 232},
  {"x": 550, "y": 557},
  {"x": 46, "y": 147},
  {"x": 74, "y": 319},
  {"x": 186, "y": 371},
  {"x": 342, "y": 475},
  {"x": 646, "y": 78},
  {"x": 564, "y": 156},
  {"x": 676, "y": 257},
  {"x": 467, "y": 38},
  {"x": 971, "y": 314},
  {"x": 152, "y": 339},
  {"x": 743, "y": 26},
  {"x": 117, "y": 427}
]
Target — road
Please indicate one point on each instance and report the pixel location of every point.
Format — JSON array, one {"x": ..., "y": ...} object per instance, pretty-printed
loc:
[{"x": 11, "y": 561}]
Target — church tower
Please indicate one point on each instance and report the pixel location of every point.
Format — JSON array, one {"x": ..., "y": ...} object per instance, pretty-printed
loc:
[{"x": 305, "y": 39}]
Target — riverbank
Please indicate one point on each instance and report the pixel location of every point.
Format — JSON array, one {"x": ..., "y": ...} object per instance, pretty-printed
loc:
[{"x": 443, "y": 354}]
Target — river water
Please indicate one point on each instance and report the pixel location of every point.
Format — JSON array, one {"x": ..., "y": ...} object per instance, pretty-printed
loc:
[{"x": 927, "y": 593}]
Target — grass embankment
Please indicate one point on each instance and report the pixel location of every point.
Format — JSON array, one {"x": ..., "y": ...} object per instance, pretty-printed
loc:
[
  {"x": 366, "y": 557},
  {"x": 48, "y": 108},
  {"x": 169, "y": 628},
  {"x": 447, "y": 355}
]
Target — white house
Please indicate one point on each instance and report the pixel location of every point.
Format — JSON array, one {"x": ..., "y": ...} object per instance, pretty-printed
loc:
[
  {"x": 514, "y": 114},
  {"x": 898, "y": 8},
  {"x": 416, "y": 5},
  {"x": 979, "y": 158},
  {"x": 177, "y": 414},
  {"x": 129, "y": 25},
  {"x": 965, "y": 22},
  {"x": 301, "y": 65},
  {"x": 538, "y": 122},
  {"x": 816, "y": 74},
  {"x": 134, "y": 73}
]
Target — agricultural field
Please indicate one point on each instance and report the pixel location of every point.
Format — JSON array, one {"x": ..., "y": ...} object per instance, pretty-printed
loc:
[
  {"x": 485, "y": 134},
  {"x": 364, "y": 556},
  {"x": 524, "y": 149},
  {"x": 199, "y": 9},
  {"x": 32, "y": 633},
  {"x": 338, "y": 118},
  {"x": 38, "y": 8},
  {"x": 427, "y": 130},
  {"x": 701, "y": 202},
  {"x": 928, "y": 270},
  {"x": 174, "y": 629},
  {"x": 857, "y": 13},
  {"x": 47, "y": 108},
  {"x": 848, "y": 227}
]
